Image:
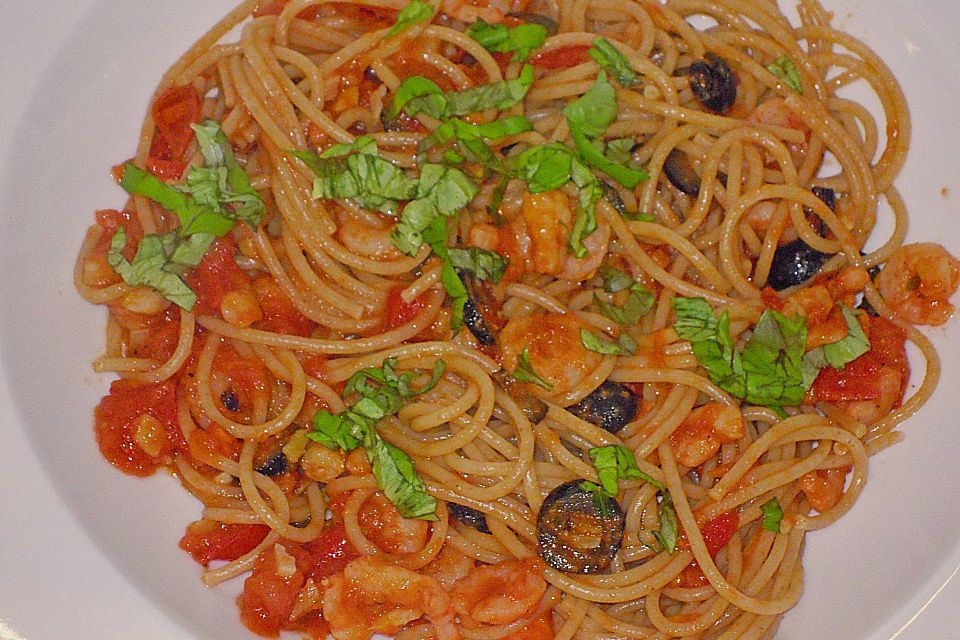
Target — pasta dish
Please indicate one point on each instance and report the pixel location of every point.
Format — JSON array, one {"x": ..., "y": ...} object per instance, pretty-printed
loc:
[{"x": 514, "y": 319}]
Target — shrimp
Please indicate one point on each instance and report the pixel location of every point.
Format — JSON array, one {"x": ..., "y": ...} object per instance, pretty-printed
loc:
[
  {"x": 917, "y": 282},
  {"x": 383, "y": 525},
  {"x": 824, "y": 487},
  {"x": 536, "y": 239},
  {"x": 776, "y": 113},
  {"x": 368, "y": 237},
  {"x": 448, "y": 567},
  {"x": 699, "y": 436},
  {"x": 888, "y": 380},
  {"x": 500, "y": 593},
  {"x": 553, "y": 343},
  {"x": 371, "y": 596},
  {"x": 470, "y": 10}
]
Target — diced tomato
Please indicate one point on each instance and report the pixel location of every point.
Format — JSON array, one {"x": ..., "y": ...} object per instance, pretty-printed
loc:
[
  {"x": 208, "y": 444},
  {"x": 173, "y": 112},
  {"x": 279, "y": 313},
  {"x": 859, "y": 380},
  {"x": 248, "y": 379},
  {"x": 771, "y": 298},
  {"x": 330, "y": 552},
  {"x": 164, "y": 335},
  {"x": 268, "y": 598},
  {"x": 716, "y": 534},
  {"x": 115, "y": 420},
  {"x": 718, "y": 530},
  {"x": 315, "y": 365},
  {"x": 216, "y": 275},
  {"x": 562, "y": 57},
  {"x": 207, "y": 540},
  {"x": 396, "y": 312}
]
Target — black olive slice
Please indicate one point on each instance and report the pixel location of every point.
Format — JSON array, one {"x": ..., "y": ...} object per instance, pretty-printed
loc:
[
  {"x": 230, "y": 400},
  {"x": 275, "y": 465},
  {"x": 613, "y": 196},
  {"x": 536, "y": 18},
  {"x": 478, "y": 325},
  {"x": 714, "y": 83},
  {"x": 794, "y": 263},
  {"x": 388, "y": 123},
  {"x": 533, "y": 407},
  {"x": 827, "y": 195},
  {"x": 468, "y": 516},
  {"x": 679, "y": 170},
  {"x": 611, "y": 406},
  {"x": 579, "y": 531}
]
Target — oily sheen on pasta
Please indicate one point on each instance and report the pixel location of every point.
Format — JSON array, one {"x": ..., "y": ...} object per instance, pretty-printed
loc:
[{"x": 542, "y": 319}]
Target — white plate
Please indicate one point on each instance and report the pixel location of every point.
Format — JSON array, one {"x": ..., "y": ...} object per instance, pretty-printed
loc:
[{"x": 89, "y": 553}]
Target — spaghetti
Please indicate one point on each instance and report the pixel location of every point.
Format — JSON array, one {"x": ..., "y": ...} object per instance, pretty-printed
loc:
[{"x": 490, "y": 320}]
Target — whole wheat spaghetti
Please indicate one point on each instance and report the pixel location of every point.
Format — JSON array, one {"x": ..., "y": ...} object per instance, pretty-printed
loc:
[{"x": 548, "y": 319}]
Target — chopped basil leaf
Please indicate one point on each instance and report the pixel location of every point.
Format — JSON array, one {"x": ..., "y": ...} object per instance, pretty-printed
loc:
[
  {"x": 334, "y": 431},
  {"x": 610, "y": 59},
  {"x": 785, "y": 69},
  {"x": 772, "y": 515},
  {"x": 396, "y": 475},
  {"x": 442, "y": 191},
  {"x": 624, "y": 346},
  {"x": 358, "y": 172},
  {"x": 615, "y": 280},
  {"x": 416, "y": 11},
  {"x": 669, "y": 532},
  {"x": 452, "y": 157},
  {"x": 496, "y": 199},
  {"x": 521, "y": 39},
  {"x": 600, "y": 496},
  {"x": 614, "y": 462},
  {"x": 772, "y": 370},
  {"x": 588, "y": 117},
  {"x": 839, "y": 353},
  {"x": 620, "y": 150},
  {"x": 526, "y": 373},
  {"x": 194, "y": 217},
  {"x": 392, "y": 468},
  {"x": 768, "y": 372},
  {"x": 224, "y": 179},
  {"x": 480, "y": 263},
  {"x": 470, "y": 137},
  {"x": 638, "y": 304},
  {"x": 435, "y": 235},
  {"x": 417, "y": 94},
  {"x": 160, "y": 262}
]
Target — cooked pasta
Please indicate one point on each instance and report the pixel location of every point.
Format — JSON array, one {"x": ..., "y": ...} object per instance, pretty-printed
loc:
[{"x": 526, "y": 319}]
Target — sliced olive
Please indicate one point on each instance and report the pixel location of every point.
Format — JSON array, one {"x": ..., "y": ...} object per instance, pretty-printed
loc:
[
  {"x": 275, "y": 465},
  {"x": 371, "y": 75},
  {"x": 579, "y": 531},
  {"x": 680, "y": 172},
  {"x": 714, "y": 83},
  {"x": 613, "y": 196},
  {"x": 478, "y": 325},
  {"x": 794, "y": 263},
  {"x": 388, "y": 123},
  {"x": 533, "y": 407},
  {"x": 611, "y": 406},
  {"x": 230, "y": 400},
  {"x": 827, "y": 195},
  {"x": 535, "y": 18},
  {"x": 469, "y": 516}
]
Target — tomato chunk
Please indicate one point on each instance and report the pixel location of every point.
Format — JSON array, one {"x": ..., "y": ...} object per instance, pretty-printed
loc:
[
  {"x": 216, "y": 276},
  {"x": 330, "y": 552},
  {"x": 115, "y": 420},
  {"x": 860, "y": 379},
  {"x": 173, "y": 112},
  {"x": 562, "y": 57},
  {"x": 716, "y": 534},
  {"x": 279, "y": 313},
  {"x": 396, "y": 312},
  {"x": 268, "y": 596},
  {"x": 207, "y": 540}
]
